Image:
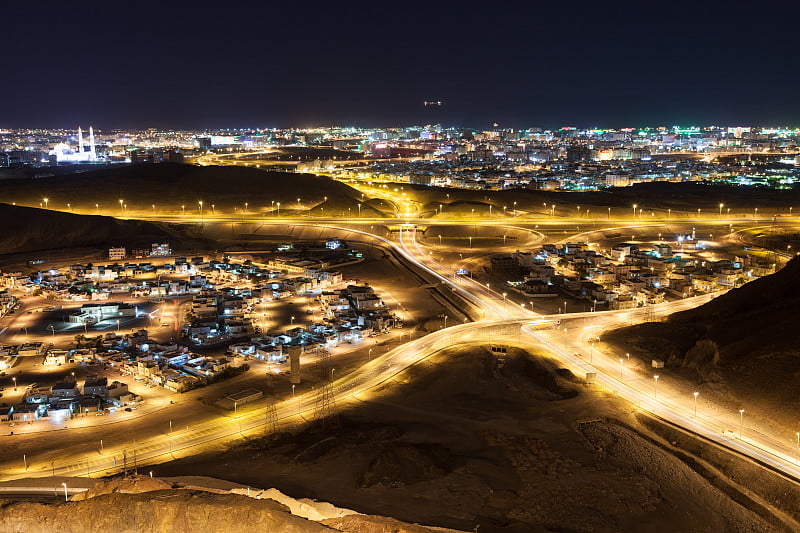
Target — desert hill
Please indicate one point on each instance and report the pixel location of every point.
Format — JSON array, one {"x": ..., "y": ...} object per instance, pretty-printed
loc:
[
  {"x": 28, "y": 229},
  {"x": 508, "y": 443},
  {"x": 744, "y": 344},
  {"x": 169, "y": 186},
  {"x": 679, "y": 197}
]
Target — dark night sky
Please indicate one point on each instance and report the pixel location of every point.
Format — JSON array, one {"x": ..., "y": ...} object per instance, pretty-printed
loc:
[{"x": 252, "y": 64}]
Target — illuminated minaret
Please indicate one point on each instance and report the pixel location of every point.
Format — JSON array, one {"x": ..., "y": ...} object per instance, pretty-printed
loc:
[
  {"x": 93, "y": 154},
  {"x": 80, "y": 140}
]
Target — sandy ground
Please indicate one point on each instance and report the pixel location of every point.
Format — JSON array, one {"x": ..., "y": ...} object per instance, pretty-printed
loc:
[{"x": 467, "y": 438}]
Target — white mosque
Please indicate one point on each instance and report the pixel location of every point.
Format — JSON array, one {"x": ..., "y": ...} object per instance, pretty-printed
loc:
[{"x": 85, "y": 154}]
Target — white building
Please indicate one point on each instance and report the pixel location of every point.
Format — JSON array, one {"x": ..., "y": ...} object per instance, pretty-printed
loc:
[{"x": 84, "y": 154}]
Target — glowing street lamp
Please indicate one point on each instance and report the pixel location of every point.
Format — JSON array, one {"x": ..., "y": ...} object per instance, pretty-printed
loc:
[
  {"x": 634, "y": 210},
  {"x": 741, "y": 422},
  {"x": 655, "y": 388},
  {"x": 720, "y": 208},
  {"x": 45, "y": 200},
  {"x": 695, "y": 394},
  {"x": 121, "y": 202},
  {"x": 200, "y": 203},
  {"x": 66, "y": 497}
]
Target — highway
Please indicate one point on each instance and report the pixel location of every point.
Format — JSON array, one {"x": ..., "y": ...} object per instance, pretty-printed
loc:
[{"x": 501, "y": 320}]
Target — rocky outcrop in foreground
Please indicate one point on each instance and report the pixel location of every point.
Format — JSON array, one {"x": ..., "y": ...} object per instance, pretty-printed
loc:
[{"x": 143, "y": 505}]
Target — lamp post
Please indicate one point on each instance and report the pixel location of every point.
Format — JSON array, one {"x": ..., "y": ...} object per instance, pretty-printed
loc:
[
  {"x": 655, "y": 388},
  {"x": 66, "y": 497},
  {"x": 695, "y": 394},
  {"x": 634, "y": 210},
  {"x": 121, "y": 202},
  {"x": 741, "y": 422},
  {"x": 720, "y": 209}
]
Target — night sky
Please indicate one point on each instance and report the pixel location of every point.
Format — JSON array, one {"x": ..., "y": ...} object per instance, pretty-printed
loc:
[{"x": 261, "y": 64}]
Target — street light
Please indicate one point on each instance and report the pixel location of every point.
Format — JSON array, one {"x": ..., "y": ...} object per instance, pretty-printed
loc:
[
  {"x": 720, "y": 209},
  {"x": 634, "y": 210},
  {"x": 15, "y": 382},
  {"x": 741, "y": 422},
  {"x": 66, "y": 498},
  {"x": 121, "y": 201},
  {"x": 655, "y": 388},
  {"x": 695, "y": 394}
]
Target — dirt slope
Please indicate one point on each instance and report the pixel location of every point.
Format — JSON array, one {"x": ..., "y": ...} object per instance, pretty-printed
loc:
[{"x": 466, "y": 438}]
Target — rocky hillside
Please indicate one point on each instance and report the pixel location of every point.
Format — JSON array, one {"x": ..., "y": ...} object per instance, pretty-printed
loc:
[
  {"x": 143, "y": 504},
  {"x": 30, "y": 229},
  {"x": 744, "y": 344},
  {"x": 168, "y": 186},
  {"x": 468, "y": 438}
]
